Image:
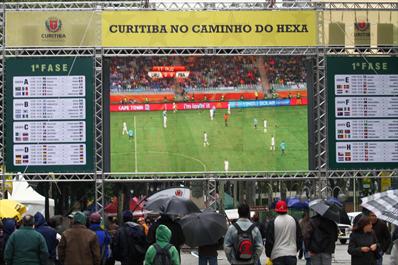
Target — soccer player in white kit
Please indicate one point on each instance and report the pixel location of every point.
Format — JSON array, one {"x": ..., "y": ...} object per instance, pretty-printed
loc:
[
  {"x": 226, "y": 165},
  {"x": 265, "y": 126},
  {"x": 205, "y": 139},
  {"x": 125, "y": 131},
  {"x": 174, "y": 107},
  {"x": 211, "y": 114},
  {"x": 273, "y": 143},
  {"x": 164, "y": 119},
  {"x": 229, "y": 109}
]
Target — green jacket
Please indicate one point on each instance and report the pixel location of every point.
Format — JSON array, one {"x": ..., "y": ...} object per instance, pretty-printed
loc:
[
  {"x": 163, "y": 235},
  {"x": 26, "y": 247}
]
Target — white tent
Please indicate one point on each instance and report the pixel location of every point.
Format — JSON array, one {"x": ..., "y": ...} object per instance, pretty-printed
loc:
[{"x": 25, "y": 194}]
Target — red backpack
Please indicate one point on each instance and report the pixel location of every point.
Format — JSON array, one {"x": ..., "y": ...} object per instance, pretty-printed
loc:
[{"x": 244, "y": 247}]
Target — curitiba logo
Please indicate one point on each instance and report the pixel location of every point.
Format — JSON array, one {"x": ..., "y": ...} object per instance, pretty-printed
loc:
[
  {"x": 362, "y": 25},
  {"x": 53, "y": 24}
]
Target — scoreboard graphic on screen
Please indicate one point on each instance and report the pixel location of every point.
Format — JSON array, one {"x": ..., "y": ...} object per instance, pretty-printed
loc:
[
  {"x": 49, "y": 115},
  {"x": 363, "y": 112}
]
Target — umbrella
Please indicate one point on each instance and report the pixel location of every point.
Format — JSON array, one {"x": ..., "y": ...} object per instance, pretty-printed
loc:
[
  {"x": 344, "y": 219},
  {"x": 296, "y": 203},
  {"x": 204, "y": 228},
  {"x": 384, "y": 205},
  {"x": 11, "y": 209},
  {"x": 329, "y": 211},
  {"x": 172, "y": 206}
]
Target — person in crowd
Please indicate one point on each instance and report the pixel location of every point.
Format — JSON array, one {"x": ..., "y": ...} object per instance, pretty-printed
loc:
[
  {"x": 79, "y": 245},
  {"x": 381, "y": 231},
  {"x": 177, "y": 236},
  {"x": 320, "y": 236},
  {"x": 234, "y": 249},
  {"x": 303, "y": 222},
  {"x": 363, "y": 246},
  {"x": 49, "y": 234},
  {"x": 283, "y": 237},
  {"x": 2, "y": 245},
  {"x": 112, "y": 229},
  {"x": 142, "y": 223},
  {"x": 103, "y": 237},
  {"x": 208, "y": 254},
  {"x": 162, "y": 245},
  {"x": 9, "y": 227},
  {"x": 394, "y": 250},
  {"x": 26, "y": 246},
  {"x": 129, "y": 244}
]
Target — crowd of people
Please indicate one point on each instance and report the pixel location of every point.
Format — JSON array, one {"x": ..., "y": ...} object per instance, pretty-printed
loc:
[
  {"x": 138, "y": 242},
  {"x": 286, "y": 70},
  {"x": 205, "y": 73}
]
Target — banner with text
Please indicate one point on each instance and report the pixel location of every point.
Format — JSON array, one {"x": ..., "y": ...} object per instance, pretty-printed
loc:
[
  {"x": 208, "y": 28},
  {"x": 54, "y": 29}
]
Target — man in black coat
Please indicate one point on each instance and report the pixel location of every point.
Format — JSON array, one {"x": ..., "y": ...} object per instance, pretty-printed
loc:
[{"x": 320, "y": 236}]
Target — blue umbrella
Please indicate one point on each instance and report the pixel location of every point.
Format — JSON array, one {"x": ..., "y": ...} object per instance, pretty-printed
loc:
[{"x": 297, "y": 204}]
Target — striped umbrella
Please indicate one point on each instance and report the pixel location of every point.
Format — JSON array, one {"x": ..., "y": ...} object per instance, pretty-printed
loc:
[{"x": 384, "y": 205}]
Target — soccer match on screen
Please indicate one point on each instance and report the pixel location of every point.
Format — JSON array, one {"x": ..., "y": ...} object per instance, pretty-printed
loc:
[{"x": 208, "y": 113}]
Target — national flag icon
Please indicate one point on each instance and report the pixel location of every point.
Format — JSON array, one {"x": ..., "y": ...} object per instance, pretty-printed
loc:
[
  {"x": 25, "y": 161},
  {"x": 347, "y": 131},
  {"x": 340, "y": 159},
  {"x": 348, "y": 158},
  {"x": 340, "y": 136},
  {"x": 339, "y": 113},
  {"x": 339, "y": 109},
  {"x": 347, "y": 153},
  {"x": 340, "y": 154}
]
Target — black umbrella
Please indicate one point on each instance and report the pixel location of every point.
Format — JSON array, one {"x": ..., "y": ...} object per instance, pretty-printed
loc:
[
  {"x": 344, "y": 219},
  {"x": 204, "y": 228},
  {"x": 172, "y": 206},
  {"x": 329, "y": 211}
]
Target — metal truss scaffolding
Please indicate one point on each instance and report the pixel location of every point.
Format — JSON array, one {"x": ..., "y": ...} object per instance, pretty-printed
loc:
[{"x": 100, "y": 178}]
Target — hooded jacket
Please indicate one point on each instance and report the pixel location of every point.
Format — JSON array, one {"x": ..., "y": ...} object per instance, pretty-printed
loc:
[
  {"x": 49, "y": 234},
  {"x": 163, "y": 236},
  {"x": 9, "y": 228}
]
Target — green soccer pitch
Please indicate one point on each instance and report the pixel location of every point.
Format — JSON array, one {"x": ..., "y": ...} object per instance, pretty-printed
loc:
[{"x": 179, "y": 147}]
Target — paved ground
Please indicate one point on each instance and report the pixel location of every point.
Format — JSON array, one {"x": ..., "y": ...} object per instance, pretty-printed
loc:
[{"x": 341, "y": 257}]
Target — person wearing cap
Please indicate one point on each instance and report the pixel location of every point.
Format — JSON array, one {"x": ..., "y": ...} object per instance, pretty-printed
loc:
[
  {"x": 129, "y": 244},
  {"x": 231, "y": 237},
  {"x": 283, "y": 237},
  {"x": 79, "y": 245},
  {"x": 26, "y": 246},
  {"x": 49, "y": 234},
  {"x": 103, "y": 237}
]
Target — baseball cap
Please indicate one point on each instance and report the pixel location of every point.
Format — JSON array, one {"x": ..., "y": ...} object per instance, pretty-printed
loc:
[{"x": 281, "y": 207}]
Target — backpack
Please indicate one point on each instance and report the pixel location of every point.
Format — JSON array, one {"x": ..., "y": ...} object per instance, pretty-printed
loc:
[
  {"x": 162, "y": 256},
  {"x": 244, "y": 246}
]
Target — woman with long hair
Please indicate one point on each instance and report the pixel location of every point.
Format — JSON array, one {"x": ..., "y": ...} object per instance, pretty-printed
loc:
[{"x": 363, "y": 245}]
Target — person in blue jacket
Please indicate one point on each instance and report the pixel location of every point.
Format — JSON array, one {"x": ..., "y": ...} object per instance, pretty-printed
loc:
[
  {"x": 49, "y": 234},
  {"x": 103, "y": 237}
]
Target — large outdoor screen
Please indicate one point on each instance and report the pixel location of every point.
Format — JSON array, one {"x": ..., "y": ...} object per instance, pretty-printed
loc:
[{"x": 208, "y": 113}]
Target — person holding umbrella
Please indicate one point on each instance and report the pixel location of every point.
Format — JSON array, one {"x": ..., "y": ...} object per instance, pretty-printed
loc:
[
  {"x": 204, "y": 230},
  {"x": 363, "y": 245}
]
